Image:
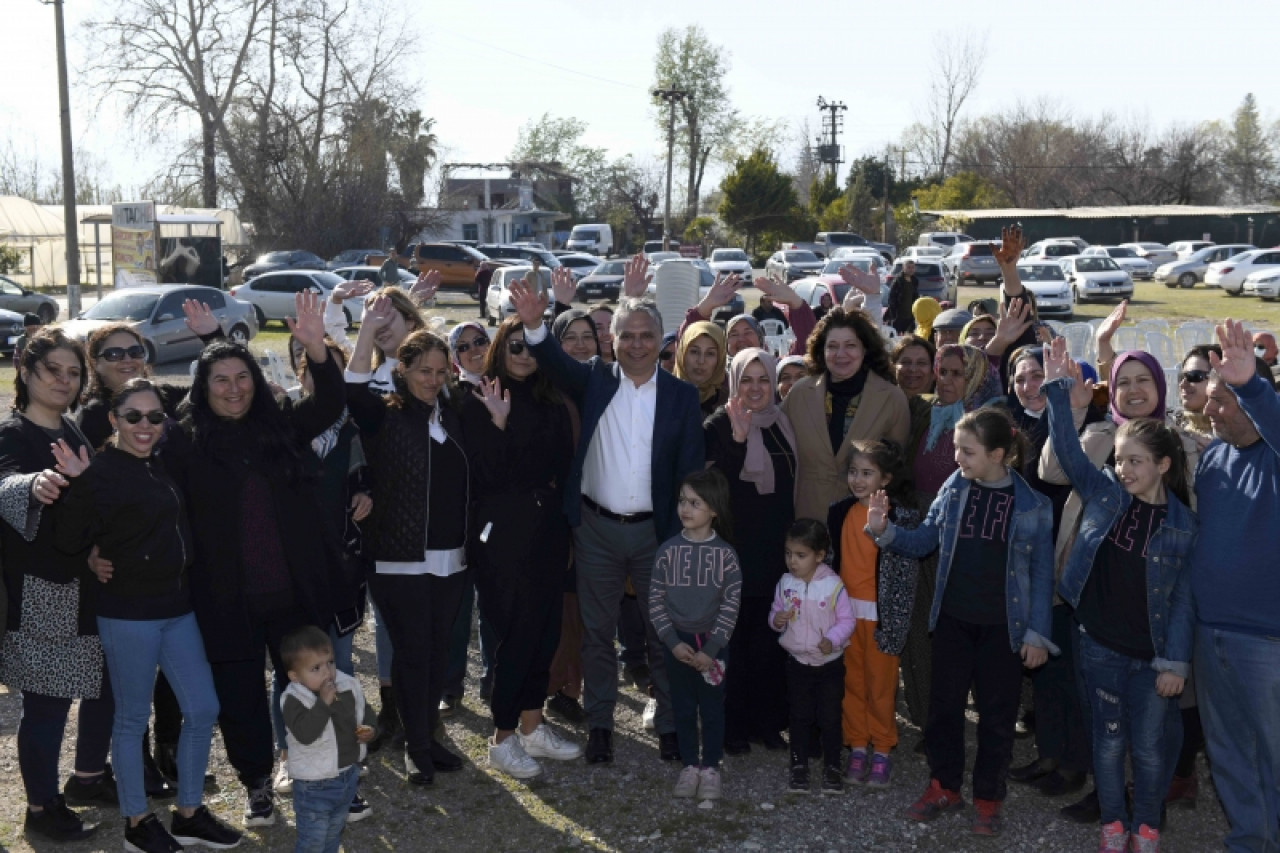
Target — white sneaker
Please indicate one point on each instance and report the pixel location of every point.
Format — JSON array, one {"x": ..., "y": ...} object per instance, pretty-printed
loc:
[
  {"x": 650, "y": 711},
  {"x": 687, "y": 784},
  {"x": 709, "y": 784},
  {"x": 282, "y": 784},
  {"x": 545, "y": 742},
  {"x": 510, "y": 757}
]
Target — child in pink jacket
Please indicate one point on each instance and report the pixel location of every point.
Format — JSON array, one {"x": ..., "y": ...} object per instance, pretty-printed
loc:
[{"x": 812, "y": 610}]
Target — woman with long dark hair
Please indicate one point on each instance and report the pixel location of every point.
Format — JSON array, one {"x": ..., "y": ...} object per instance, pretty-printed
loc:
[{"x": 520, "y": 435}]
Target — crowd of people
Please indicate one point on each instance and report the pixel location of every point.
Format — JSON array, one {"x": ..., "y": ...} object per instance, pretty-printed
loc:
[{"x": 915, "y": 498}]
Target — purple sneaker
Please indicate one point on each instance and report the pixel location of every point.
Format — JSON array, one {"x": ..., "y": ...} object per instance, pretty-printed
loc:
[
  {"x": 856, "y": 772},
  {"x": 881, "y": 768}
]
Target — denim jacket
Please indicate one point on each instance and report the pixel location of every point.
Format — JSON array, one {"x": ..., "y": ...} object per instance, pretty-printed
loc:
[
  {"x": 1168, "y": 553},
  {"x": 1029, "y": 587}
]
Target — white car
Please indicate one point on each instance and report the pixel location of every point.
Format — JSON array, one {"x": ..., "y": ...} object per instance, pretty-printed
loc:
[
  {"x": 915, "y": 253},
  {"x": 580, "y": 264},
  {"x": 1186, "y": 248},
  {"x": 271, "y": 293},
  {"x": 865, "y": 261},
  {"x": 497, "y": 299},
  {"x": 1052, "y": 250},
  {"x": 373, "y": 275},
  {"x": 1127, "y": 259},
  {"x": 1185, "y": 272},
  {"x": 1230, "y": 274},
  {"x": 731, "y": 261},
  {"x": 1096, "y": 278},
  {"x": 1264, "y": 283},
  {"x": 1054, "y": 296},
  {"x": 1157, "y": 253}
]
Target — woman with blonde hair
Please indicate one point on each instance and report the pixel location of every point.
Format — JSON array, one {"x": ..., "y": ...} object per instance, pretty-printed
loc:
[{"x": 700, "y": 361}]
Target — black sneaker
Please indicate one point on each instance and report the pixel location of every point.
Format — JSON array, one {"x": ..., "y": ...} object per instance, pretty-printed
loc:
[
  {"x": 442, "y": 759},
  {"x": 99, "y": 791},
  {"x": 358, "y": 810},
  {"x": 419, "y": 770},
  {"x": 832, "y": 780},
  {"x": 149, "y": 836},
  {"x": 205, "y": 829},
  {"x": 599, "y": 746},
  {"x": 669, "y": 747},
  {"x": 58, "y": 823},
  {"x": 799, "y": 783},
  {"x": 260, "y": 805},
  {"x": 486, "y": 686},
  {"x": 390, "y": 728},
  {"x": 567, "y": 707}
]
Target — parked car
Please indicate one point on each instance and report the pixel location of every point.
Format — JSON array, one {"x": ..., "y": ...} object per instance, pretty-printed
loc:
[
  {"x": 1185, "y": 272},
  {"x": 1046, "y": 250},
  {"x": 11, "y": 328},
  {"x": 1230, "y": 274},
  {"x": 943, "y": 239},
  {"x": 651, "y": 246},
  {"x": 516, "y": 252},
  {"x": 916, "y": 253},
  {"x": 456, "y": 264},
  {"x": 830, "y": 241},
  {"x": 604, "y": 282},
  {"x": 497, "y": 301},
  {"x": 374, "y": 275},
  {"x": 791, "y": 264},
  {"x": 1186, "y": 248},
  {"x": 731, "y": 261},
  {"x": 352, "y": 257},
  {"x": 656, "y": 258},
  {"x": 1054, "y": 296},
  {"x": 973, "y": 261},
  {"x": 15, "y": 297},
  {"x": 932, "y": 278},
  {"x": 1264, "y": 283},
  {"x": 155, "y": 312},
  {"x": 271, "y": 294},
  {"x": 294, "y": 260},
  {"x": 865, "y": 261},
  {"x": 706, "y": 278},
  {"x": 581, "y": 265},
  {"x": 1096, "y": 278},
  {"x": 1127, "y": 259},
  {"x": 592, "y": 239},
  {"x": 1156, "y": 253}
]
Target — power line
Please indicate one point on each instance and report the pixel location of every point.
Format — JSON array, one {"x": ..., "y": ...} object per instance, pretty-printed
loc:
[{"x": 541, "y": 61}]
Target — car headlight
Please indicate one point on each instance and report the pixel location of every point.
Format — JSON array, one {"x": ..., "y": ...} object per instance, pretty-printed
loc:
[{"x": 1270, "y": 280}]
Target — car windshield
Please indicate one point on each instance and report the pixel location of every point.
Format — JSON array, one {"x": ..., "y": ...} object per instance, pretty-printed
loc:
[
  {"x": 327, "y": 280},
  {"x": 728, "y": 255},
  {"x": 584, "y": 234},
  {"x": 928, "y": 270},
  {"x": 800, "y": 257},
  {"x": 1041, "y": 272},
  {"x": 1096, "y": 265},
  {"x": 611, "y": 268},
  {"x": 1154, "y": 247},
  {"x": 1061, "y": 250},
  {"x": 866, "y": 264},
  {"x": 124, "y": 307},
  {"x": 659, "y": 257},
  {"x": 1122, "y": 253},
  {"x": 841, "y": 291},
  {"x": 273, "y": 258},
  {"x": 836, "y": 238},
  {"x": 944, "y": 239},
  {"x": 976, "y": 250}
]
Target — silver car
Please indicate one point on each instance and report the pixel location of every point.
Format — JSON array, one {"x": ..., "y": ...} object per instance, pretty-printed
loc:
[
  {"x": 1127, "y": 259},
  {"x": 1187, "y": 271},
  {"x": 23, "y": 300},
  {"x": 155, "y": 312}
]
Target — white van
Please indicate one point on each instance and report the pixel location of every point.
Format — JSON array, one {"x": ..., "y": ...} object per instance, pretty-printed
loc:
[{"x": 592, "y": 239}]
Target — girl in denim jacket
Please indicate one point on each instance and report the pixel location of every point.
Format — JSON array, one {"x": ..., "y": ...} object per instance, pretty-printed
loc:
[
  {"x": 1127, "y": 578},
  {"x": 992, "y": 608}
]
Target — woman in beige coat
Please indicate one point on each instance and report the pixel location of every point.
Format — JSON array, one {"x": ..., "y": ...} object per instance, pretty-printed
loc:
[{"x": 849, "y": 394}]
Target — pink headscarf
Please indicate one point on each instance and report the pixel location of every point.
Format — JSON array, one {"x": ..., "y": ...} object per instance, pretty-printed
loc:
[{"x": 758, "y": 467}]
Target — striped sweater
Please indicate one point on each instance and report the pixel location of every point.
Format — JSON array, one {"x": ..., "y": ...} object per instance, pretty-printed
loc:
[{"x": 695, "y": 588}]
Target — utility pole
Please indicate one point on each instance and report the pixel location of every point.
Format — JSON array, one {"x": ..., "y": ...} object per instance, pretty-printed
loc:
[
  {"x": 69, "y": 218},
  {"x": 829, "y": 151},
  {"x": 885, "y": 197},
  {"x": 671, "y": 96}
]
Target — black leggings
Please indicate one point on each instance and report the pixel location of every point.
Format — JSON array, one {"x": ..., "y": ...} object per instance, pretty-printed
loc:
[
  {"x": 525, "y": 619},
  {"x": 1192, "y": 741},
  {"x": 44, "y": 719}
]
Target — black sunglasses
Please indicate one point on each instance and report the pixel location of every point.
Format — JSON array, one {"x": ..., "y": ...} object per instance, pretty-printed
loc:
[
  {"x": 136, "y": 352},
  {"x": 516, "y": 347},
  {"x": 133, "y": 416},
  {"x": 479, "y": 342},
  {"x": 1195, "y": 377}
]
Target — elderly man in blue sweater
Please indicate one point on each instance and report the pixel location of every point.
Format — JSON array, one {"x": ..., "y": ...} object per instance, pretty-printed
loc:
[{"x": 1235, "y": 579}]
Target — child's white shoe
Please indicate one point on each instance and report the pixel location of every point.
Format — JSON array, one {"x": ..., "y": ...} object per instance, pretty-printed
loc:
[
  {"x": 709, "y": 784},
  {"x": 687, "y": 784}
]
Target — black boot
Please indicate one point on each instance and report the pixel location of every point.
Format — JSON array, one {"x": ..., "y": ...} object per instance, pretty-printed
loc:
[
  {"x": 156, "y": 785},
  {"x": 390, "y": 729}
]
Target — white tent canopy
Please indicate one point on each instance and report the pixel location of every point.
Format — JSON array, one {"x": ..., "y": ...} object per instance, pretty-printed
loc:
[{"x": 37, "y": 233}]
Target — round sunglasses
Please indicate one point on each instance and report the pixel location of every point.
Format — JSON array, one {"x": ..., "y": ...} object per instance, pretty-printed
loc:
[{"x": 135, "y": 352}]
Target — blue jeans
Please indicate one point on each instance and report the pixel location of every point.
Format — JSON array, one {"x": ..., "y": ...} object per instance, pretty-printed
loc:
[
  {"x": 693, "y": 698},
  {"x": 342, "y": 650},
  {"x": 133, "y": 650},
  {"x": 320, "y": 810},
  {"x": 1128, "y": 715},
  {"x": 1238, "y": 689}
]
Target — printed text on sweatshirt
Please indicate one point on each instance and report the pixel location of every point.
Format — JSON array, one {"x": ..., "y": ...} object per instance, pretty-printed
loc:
[{"x": 695, "y": 588}]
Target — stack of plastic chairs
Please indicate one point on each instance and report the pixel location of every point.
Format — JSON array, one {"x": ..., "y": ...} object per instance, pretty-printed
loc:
[
  {"x": 1192, "y": 334},
  {"x": 1128, "y": 338},
  {"x": 1154, "y": 325},
  {"x": 1173, "y": 400},
  {"x": 677, "y": 291},
  {"x": 1080, "y": 341}
]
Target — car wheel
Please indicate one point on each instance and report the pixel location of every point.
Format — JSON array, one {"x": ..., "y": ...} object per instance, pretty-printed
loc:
[
  {"x": 1232, "y": 292},
  {"x": 1080, "y": 300},
  {"x": 1187, "y": 280},
  {"x": 47, "y": 313},
  {"x": 239, "y": 335},
  {"x": 151, "y": 352},
  {"x": 262, "y": 318}
]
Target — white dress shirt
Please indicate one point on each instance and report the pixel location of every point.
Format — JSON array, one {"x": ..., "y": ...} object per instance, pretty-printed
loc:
[{"x": 618, "y": 471}]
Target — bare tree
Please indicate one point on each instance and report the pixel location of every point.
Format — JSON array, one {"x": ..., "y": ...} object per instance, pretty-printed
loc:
[
  {"x": 960, "y": 57},
  {"x": 805, "y": 167}
]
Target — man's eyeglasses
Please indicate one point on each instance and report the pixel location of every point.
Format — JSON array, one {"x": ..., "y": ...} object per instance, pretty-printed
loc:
[
  {"x": 136, "y": 352},
  {"x": 1195, "y": 377},
  {"x": 479, "y": 342}
]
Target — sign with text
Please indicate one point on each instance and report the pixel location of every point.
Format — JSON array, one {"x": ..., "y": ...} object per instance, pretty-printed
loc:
[{"x": 133, "y": 243}]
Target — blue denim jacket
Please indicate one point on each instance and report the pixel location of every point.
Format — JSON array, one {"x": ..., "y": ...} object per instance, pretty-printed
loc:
[
  {"x": 1029, "y": 587},
  {"x": 1168, "y": 553}
]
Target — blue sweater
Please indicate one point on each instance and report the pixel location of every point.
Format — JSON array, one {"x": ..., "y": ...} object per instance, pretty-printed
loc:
[{"x": 1234, "y": 580}]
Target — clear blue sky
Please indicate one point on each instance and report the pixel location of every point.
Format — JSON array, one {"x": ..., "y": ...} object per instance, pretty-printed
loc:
[{"x": 1160, "y": 61}]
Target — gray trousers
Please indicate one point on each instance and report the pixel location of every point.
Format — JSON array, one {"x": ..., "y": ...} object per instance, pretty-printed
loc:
[{"x": 606, "y": 554}]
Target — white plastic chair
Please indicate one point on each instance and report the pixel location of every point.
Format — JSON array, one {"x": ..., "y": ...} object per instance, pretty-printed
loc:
[
  {"x": 1161, "y": 346},
  {"x": 1192, "y": 334},
  {"x": 1056, "y": 325},
  {"x": 1128, "y": 338},
  {"x": 1173, "y": 400},
  {"x": 1079, "y": 340},
  {"x": 1153, "y": 325},
  {"x": 775, "y": 344},
  {"x": 772, "y": 327}
]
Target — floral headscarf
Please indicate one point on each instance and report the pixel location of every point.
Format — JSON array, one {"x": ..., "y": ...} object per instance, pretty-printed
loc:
[
  {"x": 715, "y": 381},
  {"x": 981, "y": 388}
]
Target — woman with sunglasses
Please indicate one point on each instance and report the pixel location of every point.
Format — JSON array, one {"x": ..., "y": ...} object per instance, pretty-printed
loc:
[
  {"x": 469, "y": 344},
  {"x": 51, "y": 651},
  {"x": 123, "y": 502},
  {"x": 520, "y": 433}
]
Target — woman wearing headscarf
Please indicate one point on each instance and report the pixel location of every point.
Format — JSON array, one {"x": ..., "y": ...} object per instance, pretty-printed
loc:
[
  {"x": 667, "y": 355},
  {"x": 576, "y": 333},
  {"x": 790, "y": 371},
  {"x": 742, "y": 332},
  {"x": 468, "y": 344},
  {"x": 752, "y": 442},
  {"x": 700, "y": 361},
  {"x": 924, "y": 311}
]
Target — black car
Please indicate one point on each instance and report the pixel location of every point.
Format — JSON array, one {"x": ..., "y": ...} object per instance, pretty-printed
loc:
[
  {"x": 604, "y": 282},
  {"x": 520, "y": 253},
  {"x": 296, "y": 259}
]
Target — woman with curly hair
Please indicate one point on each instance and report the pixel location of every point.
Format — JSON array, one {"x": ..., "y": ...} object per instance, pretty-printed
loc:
[{"x": 849, "y": 394}]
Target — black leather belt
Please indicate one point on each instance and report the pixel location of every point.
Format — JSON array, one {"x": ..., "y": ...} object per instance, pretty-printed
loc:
[{"x": 620, "y": 517}]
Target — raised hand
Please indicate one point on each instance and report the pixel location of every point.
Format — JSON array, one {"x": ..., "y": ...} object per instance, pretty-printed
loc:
[
  {"x": 1010, "y": 326},
  {"x": 878, "y": 512},
  {"x": 1237, "y": 364},
  {"x": 68, "y": 462},
  {"x": 497, "y": 401},
  {"x": 634, "y": 277},
  {"x": 563, "y": 285},
  {"x": 859, "y": 279},
  {"x": 200, "y": 318},
  {"x": 353, "y": 289},
  {"x": 529, "y": 304},
  {"x": 739, "y": 418},
  {"x": 1113, "y": 322},
  {"x": 719, "y": 293},
  {"x": 1082, "y": 390},
  {"x": 308, "y": 327},
  {"x": 378, "y": 312},
  {"x": 1011, "y": 246},
  {"x": 424, "y": 289},
  {"x": 853, "y": 300},
  {"x": 779, "y": 293}
]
